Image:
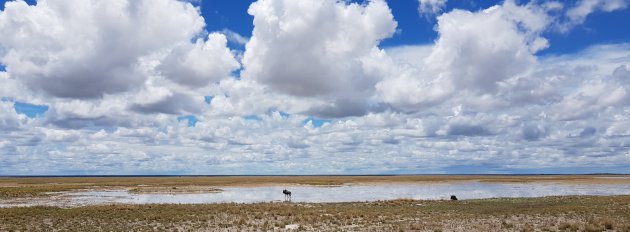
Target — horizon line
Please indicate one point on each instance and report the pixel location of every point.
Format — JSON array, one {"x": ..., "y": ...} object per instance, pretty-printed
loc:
[{"x": 323, "y": 175}]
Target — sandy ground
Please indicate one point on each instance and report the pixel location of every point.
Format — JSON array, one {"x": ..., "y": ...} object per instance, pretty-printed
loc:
[{"x": 173, "y": 189}]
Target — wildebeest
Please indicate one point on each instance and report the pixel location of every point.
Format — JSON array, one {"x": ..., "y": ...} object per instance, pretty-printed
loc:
[
  {"x": 453, "y": 197},
  {"x": 287, "y": 195}
]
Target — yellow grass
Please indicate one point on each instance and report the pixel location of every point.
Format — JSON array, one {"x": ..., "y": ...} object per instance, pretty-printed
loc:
[{"x": 524, "y": 214}]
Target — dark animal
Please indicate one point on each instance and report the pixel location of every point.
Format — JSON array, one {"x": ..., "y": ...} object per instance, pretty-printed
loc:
[
  {"x": 287, "y": 195},
  {"x": 453, "y": 197}
]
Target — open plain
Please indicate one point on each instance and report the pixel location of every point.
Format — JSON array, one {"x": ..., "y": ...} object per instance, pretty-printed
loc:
[{"x": 554, "y": 213}]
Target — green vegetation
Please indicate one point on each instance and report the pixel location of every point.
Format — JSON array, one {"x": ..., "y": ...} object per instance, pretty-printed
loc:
[{"x": 522, "y": 214}]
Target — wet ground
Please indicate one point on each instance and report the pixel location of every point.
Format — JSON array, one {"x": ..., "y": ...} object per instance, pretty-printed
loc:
[{"x": 319, "y": 194}]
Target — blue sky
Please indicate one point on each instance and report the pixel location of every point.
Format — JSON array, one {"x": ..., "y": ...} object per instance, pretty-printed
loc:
[
  {"x": 418, "y": 29},
  {"x": 324, "y": 86}
]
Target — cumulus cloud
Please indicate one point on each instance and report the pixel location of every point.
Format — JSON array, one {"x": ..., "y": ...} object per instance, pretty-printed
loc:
[
  {"x": 99, "y": 63},
  {"x": 475, "y": 51},
  {"x": 11, "y": 88},
  {"x": 86, "y": 49},
  {"x": 533, "y": 132},
  {"x": 317, "y": 49},
  {"x": 596, "y": 95},
  {"x": 9, "y": 119},
  {"x": 170, "y": 103},
  {"x": 480, "y": 95},
  {"x": 196, "y": 65},
  {"x": 430, "y": 7}
]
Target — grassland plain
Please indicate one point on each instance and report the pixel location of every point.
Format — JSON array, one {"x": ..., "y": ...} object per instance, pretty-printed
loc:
[
  {"x": 569, "y": 213},
  {"x": 566, "y": 213}
]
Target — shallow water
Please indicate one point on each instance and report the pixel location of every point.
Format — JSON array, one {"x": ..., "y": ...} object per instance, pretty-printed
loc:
[{"x": 344, "y": 193}]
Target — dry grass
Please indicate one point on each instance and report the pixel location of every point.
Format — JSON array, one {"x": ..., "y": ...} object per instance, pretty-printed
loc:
[
  {"x": 310, "y": 180},
  {"x": 523, "y": 214},
  {"x": 33, "y": 191}
]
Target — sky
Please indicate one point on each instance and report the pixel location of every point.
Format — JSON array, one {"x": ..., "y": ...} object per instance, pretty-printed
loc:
[{"x": 208, "y": 87}]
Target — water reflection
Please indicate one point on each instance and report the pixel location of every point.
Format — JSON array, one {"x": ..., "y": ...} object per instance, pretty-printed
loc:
[
  {"x": 347, "y": 193},
  {"x": 344, "y": 193}
]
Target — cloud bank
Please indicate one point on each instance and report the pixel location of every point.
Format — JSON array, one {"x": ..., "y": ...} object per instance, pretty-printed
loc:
[{"x": 313, "y": 92}]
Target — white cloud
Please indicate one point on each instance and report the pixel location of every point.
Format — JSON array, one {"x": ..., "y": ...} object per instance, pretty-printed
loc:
[
  {"x": 318, "y": 49},
  {"x": 9, "y": 119},
  {"x": 246, "y": 97},
  {"x": 475, "y": 51},
  {"x": 9, "y": 87},
  {"x": 577, "y": 14},
  {"x": 99, "y": 63},
  {"x": 431, "y": 7},
  {"x": 167, "y": 102},
  {"x": 196, "y": 65},
  {"x": 479, "y": 97},
  {"x": 235, "y": 37},
  {"x": 595, "y": 96},
  {"x": 86, "y": 49}
]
